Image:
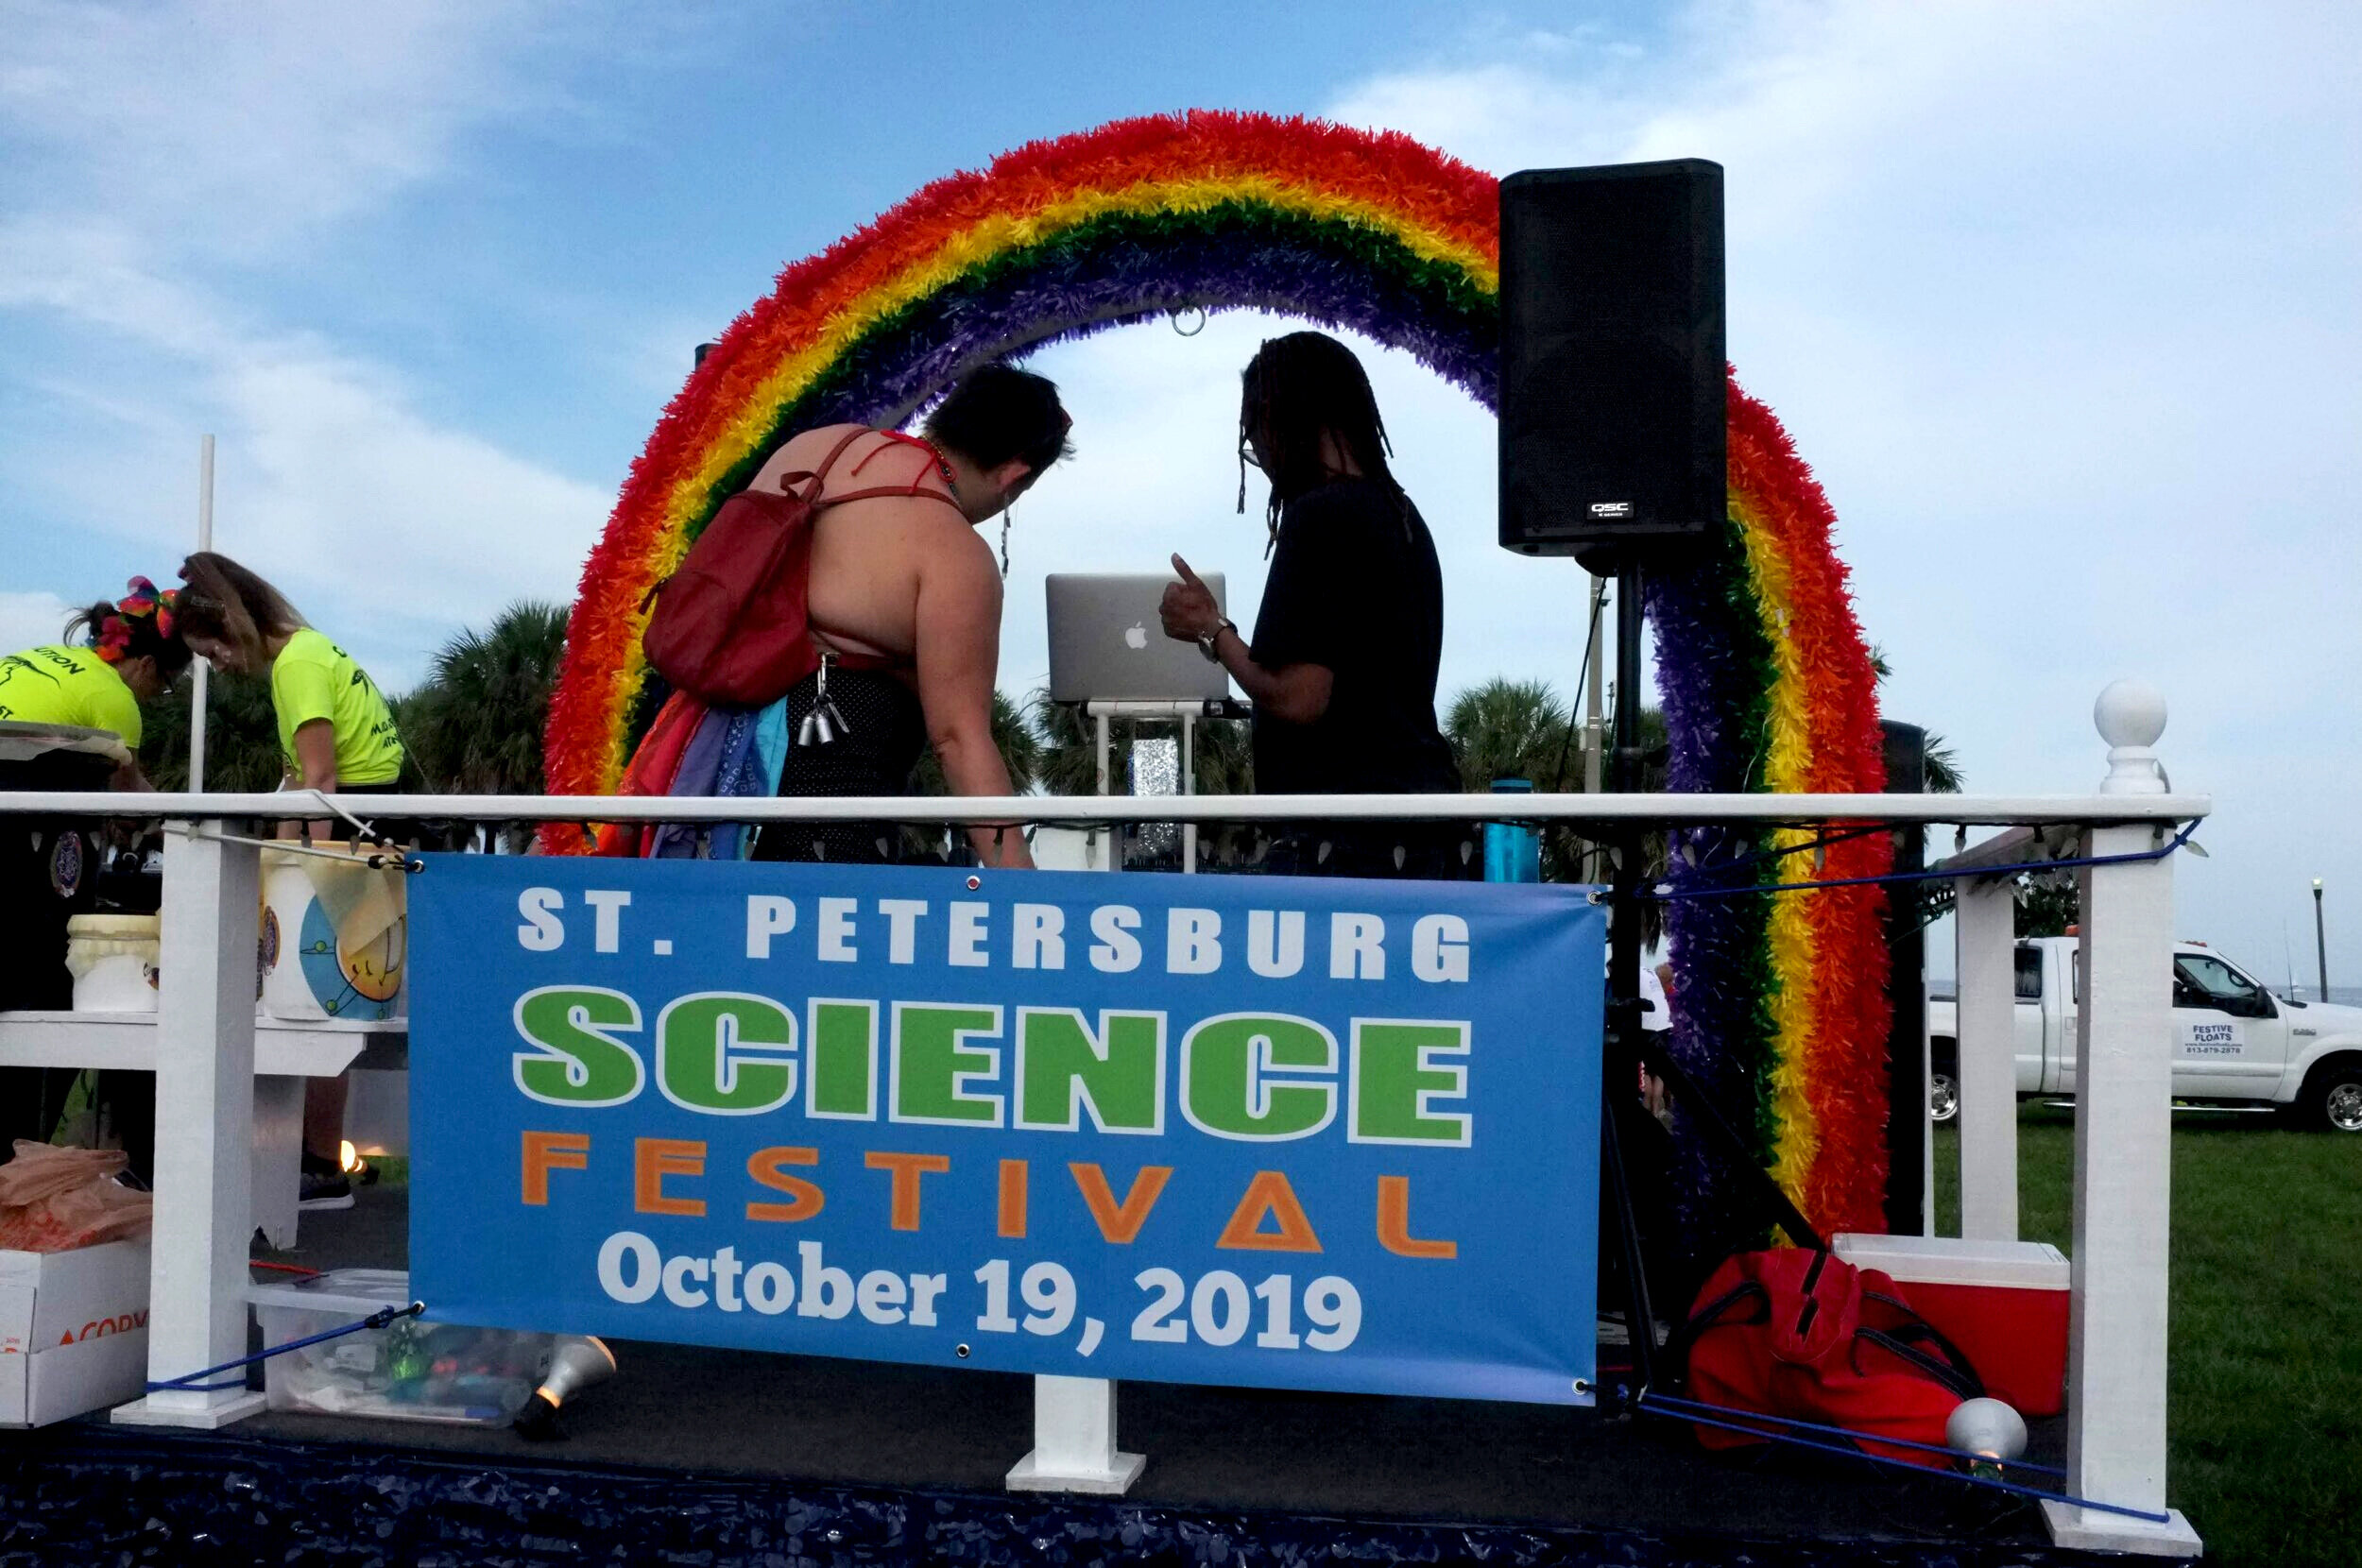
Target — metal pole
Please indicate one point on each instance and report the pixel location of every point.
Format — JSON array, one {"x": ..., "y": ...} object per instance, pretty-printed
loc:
[
  {"x": 199, "y": 687},
  {"x": 1624, "y": 929},
  {"x": 1910, "y": 1171},
  {"x": 1592, "y": 734},
  {"x": 2320, "y": 939},
  {"x": 1188, "y": 787},
  {"x": 1111, "y": 837}
]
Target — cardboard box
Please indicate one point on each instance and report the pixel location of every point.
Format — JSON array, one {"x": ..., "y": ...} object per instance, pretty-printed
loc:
[
  {"x": 73, "y": 1331},
  {"x": 2003, "y": 1302}
]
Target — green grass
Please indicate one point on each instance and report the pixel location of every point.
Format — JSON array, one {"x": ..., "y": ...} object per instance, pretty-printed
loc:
[{"x": 2265, "y": 1395}]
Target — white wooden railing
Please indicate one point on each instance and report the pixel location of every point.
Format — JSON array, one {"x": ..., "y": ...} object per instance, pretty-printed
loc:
[{"x": 205, "y": 1057}]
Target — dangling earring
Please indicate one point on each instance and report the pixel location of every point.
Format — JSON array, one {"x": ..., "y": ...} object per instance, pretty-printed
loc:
[{"x": 1007, "y": 517}]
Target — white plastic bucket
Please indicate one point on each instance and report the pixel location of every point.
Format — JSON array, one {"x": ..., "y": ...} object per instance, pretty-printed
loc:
[
  {"x": 335, "y": 934},
  {"x": 112, "y": 958}
]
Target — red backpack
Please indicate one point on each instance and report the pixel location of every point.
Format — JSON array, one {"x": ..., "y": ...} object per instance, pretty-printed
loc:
[
  {"x": 733, "y": 626},
  {"x": 1805, "y": 1335}
]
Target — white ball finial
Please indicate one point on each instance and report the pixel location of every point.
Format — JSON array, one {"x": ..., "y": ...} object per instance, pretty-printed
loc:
[
  {"x": 2130, "y": 715},
  {"x": 1986, "y": 1427}
]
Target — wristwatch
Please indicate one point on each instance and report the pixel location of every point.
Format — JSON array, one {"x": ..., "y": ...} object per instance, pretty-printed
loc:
[{"x": 1207, "y": 639}]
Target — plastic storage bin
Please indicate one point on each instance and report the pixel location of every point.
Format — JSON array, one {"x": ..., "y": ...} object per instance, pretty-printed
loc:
[{"x": 407, "y": 1371}]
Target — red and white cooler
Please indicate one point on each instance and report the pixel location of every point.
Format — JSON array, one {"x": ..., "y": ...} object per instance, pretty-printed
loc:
[{"x": 2003, "y": 1302}]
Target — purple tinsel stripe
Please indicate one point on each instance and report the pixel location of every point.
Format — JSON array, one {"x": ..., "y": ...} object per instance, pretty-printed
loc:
[
  {"x": 1132, "y": 284},
  {"x": 1708, "y": 684}
]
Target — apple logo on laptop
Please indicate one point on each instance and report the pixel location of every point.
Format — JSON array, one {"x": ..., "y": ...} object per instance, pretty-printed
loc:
[{"x": 1136, "y": 635}]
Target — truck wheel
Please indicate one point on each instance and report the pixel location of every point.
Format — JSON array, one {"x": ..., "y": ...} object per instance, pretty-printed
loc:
[
  {"x": 2333, "y": 1095},
  {"x": 1944, "y": 1096}
]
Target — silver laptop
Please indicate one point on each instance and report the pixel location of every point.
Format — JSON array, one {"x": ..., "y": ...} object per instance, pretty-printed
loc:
[{"x": 1107, "y": 641}]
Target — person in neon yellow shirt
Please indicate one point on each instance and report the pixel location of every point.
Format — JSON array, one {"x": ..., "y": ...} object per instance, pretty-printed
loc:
[
  {"x": 133, "y": 656},
  {"x": 336, "y": 731},
  {"x": 112, "y": 657},
  {"x": 335, "y": 734}
]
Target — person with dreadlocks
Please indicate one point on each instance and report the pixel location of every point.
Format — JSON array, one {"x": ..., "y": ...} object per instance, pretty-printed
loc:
[
  {"x": 114, "y": 657},
  {"x": 1341, "y": 667}
]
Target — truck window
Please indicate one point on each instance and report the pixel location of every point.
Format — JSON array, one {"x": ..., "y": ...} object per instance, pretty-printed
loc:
[
  {"x": 2203, "y": 980},
  {"x": 2029, "y": 974}
]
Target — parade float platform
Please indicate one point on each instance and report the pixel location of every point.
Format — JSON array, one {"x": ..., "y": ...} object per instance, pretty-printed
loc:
[{"x": 693, "y": 1455}]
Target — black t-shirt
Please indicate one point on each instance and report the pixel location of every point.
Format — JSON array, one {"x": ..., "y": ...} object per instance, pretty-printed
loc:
[{"x": 1354, "y": 587}]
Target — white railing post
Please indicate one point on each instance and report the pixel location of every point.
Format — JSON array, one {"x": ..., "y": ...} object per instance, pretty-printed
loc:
[
  {"x": 204, "y": 1127},
  {"x": 1984, "y": 926},
  {"x": 1074, "y": 1418},
  {"x": 1075, "y": 1440},
  {"x": 2123, "y": 1164}
]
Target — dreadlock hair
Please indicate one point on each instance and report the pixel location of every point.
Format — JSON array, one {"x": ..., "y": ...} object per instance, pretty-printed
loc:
[
  {"x": 997, "y": 412},
  {"x": 143, "y": 624},
  {"x": 1295, "y": 389},
  {"x": 226, "y": 601}
]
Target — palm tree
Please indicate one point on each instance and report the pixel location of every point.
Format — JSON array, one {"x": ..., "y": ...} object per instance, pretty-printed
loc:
[
  {"x": 475, "y": 726},
  {"x": 1512, "y": 729},
  {"x": 1224, "y": 762},
  {"x": 1943, "y": 776},
  {"x": 1222, "y": 757},
  {"x": 242, "y": 753},
  {"x": 1517, "y": 729},
  {"x": 1063, "y": 737}
]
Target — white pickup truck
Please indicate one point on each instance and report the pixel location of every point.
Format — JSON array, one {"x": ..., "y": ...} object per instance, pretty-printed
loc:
[{"x": 2233, "y": 1042}]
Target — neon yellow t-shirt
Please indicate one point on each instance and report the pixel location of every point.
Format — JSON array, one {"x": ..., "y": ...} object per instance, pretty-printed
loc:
[
  {"x": 59, "y": 685},
  {"x": 313, "y": 678}
]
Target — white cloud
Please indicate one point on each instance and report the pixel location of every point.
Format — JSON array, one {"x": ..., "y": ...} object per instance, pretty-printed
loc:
[
  {"x": 227, "y": 126},
  {"x": 2059, "y": 302},
  {"x": 30, "y": 619},
  {"x": 154, "y": 147}
]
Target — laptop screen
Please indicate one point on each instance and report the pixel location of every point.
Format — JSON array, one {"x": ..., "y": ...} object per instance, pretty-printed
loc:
[{"x": 1107, "y": 641}]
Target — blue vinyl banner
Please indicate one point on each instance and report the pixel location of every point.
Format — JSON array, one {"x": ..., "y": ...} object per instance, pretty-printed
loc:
[{"x": 1287, "y": 1132}]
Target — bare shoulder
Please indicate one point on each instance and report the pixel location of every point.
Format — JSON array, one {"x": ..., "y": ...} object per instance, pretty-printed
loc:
[
  {"x": 802, "y": 452},
  {"x": 952, "y": 550}
]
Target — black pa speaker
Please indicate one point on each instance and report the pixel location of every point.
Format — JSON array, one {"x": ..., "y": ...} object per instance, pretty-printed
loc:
[{"x": 1612, "y": 399}]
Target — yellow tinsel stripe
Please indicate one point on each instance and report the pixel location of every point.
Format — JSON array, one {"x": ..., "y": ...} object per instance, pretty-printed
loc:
[{"x": 1794, "y": 1000}]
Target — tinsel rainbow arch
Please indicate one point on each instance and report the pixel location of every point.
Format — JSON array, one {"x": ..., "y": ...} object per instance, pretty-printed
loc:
[{"x": 1765, "y": 682}]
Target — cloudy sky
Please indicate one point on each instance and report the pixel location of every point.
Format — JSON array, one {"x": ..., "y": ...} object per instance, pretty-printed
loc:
[{"x": 2059, "y": 300}]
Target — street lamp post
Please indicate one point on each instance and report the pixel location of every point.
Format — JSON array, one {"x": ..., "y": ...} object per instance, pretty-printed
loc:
[{"x": 2320, "y": 939}]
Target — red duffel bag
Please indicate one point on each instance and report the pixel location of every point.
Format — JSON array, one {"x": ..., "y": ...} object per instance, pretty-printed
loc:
[{"x": 1806, "y": 1336}]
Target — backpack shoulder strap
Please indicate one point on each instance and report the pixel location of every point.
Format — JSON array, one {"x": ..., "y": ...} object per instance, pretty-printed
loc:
[
  {"x": 913, "y": 490},
  {"x": 819, "y": 476}
]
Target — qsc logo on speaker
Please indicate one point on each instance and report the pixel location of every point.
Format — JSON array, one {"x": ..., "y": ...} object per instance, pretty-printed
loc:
[{"x": 1610, "y": 509}]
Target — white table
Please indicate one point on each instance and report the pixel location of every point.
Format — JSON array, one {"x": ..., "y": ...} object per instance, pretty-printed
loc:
[{"x": 284, "y": 1055}]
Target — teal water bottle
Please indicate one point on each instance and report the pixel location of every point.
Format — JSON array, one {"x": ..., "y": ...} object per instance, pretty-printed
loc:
[{"x": 1513, "y": 852}]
